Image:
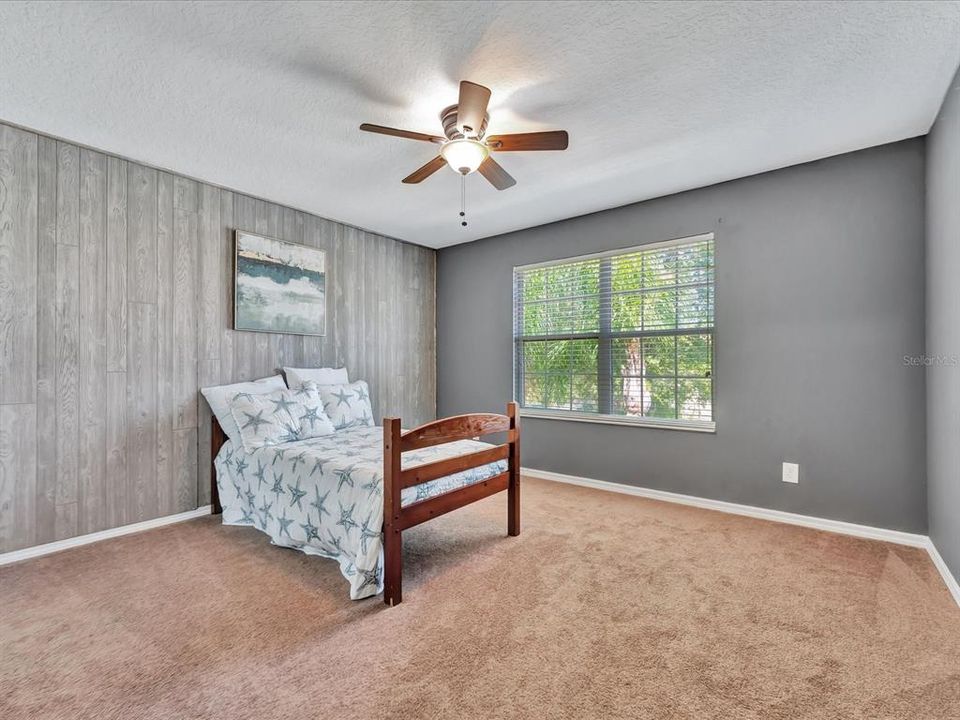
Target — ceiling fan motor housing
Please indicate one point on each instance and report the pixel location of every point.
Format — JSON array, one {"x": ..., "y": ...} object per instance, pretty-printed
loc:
[{"x": 448, "y": 117}]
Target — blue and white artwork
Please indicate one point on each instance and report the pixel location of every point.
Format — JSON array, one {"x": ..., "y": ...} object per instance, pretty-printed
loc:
[{"x": 279, "y": 287}]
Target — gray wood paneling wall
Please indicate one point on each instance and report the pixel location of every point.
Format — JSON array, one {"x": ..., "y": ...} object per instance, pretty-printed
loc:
[{"x": 116, "y": 301}]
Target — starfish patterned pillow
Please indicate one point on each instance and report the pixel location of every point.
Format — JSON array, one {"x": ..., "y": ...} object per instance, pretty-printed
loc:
[
  {"x": 220, "y": 396},
  {"x": 347, "y": 405},
  {"x": 313, "y": 420},
  {"x": 281, "y": 416}
]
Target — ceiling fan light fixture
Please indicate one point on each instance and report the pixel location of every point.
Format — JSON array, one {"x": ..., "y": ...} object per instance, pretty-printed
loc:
[{"x": 464, "y": 156}]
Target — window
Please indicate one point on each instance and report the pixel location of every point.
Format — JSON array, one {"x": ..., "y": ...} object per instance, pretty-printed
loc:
[{"x": 625, "y": 336}]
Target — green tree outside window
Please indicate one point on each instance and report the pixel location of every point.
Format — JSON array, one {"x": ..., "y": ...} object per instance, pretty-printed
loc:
[{"x": 624, "y": 334}]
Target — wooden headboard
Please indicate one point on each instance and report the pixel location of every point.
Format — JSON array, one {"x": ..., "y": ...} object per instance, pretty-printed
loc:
[{"x": 219, "y": 438}]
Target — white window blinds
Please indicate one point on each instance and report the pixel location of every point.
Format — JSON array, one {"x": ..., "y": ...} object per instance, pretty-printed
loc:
[{"x": 626, "y": 335}]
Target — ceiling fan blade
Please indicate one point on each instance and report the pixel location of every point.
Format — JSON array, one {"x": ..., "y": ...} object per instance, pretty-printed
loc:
[
  {"x": 497, "y": 176},
  {"x": 472, "y": 107},
  {"x": 422, "y": 173},
  {"x": 409, "y": 134},
  {"x": 550, "y": 140}
]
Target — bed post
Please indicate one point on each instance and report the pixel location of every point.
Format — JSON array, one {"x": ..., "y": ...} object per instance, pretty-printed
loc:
[
  {"x": 513, "y": 488},
  {"x": 218, "y": 438},
  {"x": 392, "y": 540}
]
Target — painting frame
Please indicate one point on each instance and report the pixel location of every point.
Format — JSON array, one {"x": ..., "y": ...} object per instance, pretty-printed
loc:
[{"x": 240, "y": 324}]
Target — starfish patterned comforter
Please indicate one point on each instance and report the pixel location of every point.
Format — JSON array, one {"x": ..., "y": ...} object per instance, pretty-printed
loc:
[{"x": 324, "y": 496}]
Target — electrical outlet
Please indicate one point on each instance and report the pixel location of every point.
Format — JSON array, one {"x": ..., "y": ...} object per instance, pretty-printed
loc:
[{"x": 791, "y": 473}]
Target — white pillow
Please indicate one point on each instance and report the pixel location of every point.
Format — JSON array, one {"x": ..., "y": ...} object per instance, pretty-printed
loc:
[
  {"x": 220, "y": 396},
  {"x": 280, "y": 416},
  {"x": 321, "y": 376},
  {"x": 348, "y": 405}
]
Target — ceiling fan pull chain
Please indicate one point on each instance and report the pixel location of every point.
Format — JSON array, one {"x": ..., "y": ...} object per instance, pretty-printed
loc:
[{"x": 463, "y": 200}]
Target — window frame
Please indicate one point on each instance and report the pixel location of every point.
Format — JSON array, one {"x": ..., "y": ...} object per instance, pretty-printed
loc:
[{"x": 703, "y": 426}]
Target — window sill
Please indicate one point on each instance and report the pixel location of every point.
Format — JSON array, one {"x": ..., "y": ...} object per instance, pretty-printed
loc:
[{"x": 656, "y": 423}]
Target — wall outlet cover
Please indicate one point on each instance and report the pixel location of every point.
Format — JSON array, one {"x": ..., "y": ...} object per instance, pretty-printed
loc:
[{"x": 791, "y": 473}]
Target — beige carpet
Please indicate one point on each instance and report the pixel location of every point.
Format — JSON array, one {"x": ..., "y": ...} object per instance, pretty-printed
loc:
[{"x": 606, "y": 606}]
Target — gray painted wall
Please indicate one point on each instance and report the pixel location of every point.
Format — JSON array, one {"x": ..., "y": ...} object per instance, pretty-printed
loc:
[
  {"x": 943, "y": 328},
  {"x": 820, "y": 295},
  {"x": 116, "y": 307}
]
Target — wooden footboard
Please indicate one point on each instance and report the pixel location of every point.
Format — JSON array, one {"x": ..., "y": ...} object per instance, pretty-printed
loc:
[{"x": 396, "y": 519}]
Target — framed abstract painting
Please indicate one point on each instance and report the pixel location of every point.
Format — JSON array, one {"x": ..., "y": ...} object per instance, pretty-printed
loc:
[{"x": 279, "y": 287}]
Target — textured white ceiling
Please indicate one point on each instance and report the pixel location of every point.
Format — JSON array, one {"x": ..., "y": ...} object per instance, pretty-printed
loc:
[{"x": 266, "y": 97}]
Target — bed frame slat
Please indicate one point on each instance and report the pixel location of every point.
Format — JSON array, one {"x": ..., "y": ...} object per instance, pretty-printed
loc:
[
  {"x": 432, "y": 471},
  {"x": 420, "y": 512}
]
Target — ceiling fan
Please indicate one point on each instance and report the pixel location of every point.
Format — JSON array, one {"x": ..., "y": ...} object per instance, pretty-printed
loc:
[{"x": 466, "y": 147}]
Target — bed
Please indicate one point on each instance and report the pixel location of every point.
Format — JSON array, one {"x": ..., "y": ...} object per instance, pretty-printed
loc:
[{"x": 351, "y": 495}]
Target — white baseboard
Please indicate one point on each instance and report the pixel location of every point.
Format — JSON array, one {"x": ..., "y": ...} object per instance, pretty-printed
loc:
[
  {"x": 948, "y": 577},
  {"x": 48, "y": 548},
  {"x": 836, "y": 526}
]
